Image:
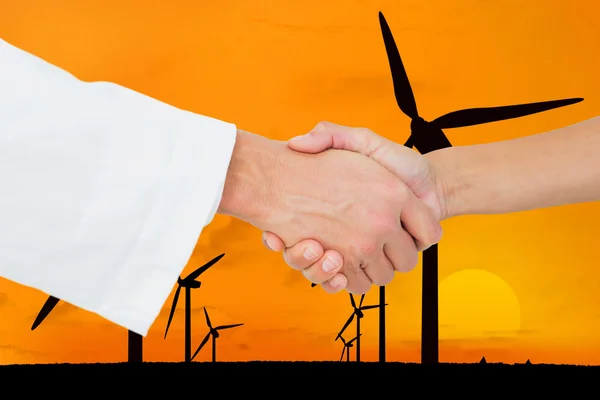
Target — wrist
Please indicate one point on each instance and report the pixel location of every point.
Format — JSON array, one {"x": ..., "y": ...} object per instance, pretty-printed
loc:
[
  {"x": 452, "y": 181},
  {"x": 250, "y": 179}
]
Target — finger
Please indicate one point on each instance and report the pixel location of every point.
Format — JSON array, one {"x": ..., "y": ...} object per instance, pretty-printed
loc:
[
  {"x": 381, "y": 272},
  {"x": 402, "y": 253},
  {"x": 403, "y": 162},
  {"x": 325, "y": 268},
  {"x": 358, "y": 281},
  {"x": 304, "y": 254},
  {"x": 313, "y": 142},
  {"x": 335, "y": 284},
  {"x": 272, "y": 241},
  {"x": 327, "y": 134},
  {"x": 420, "y": 222}
]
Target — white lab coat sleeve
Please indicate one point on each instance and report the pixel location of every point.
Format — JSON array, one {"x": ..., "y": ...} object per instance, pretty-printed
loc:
[{"x": 103, "y": 191}]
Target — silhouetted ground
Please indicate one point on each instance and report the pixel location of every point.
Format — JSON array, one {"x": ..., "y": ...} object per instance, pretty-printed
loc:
[
  {"x": 295, "y": 369},
  {"x": 284, "y": 380}
]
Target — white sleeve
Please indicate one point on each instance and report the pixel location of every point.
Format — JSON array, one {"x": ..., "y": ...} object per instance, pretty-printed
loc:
[{"x": 103, "y": 191}]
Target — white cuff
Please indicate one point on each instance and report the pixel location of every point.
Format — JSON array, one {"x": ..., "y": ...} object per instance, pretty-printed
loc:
[{"x": 192, "y": 193}]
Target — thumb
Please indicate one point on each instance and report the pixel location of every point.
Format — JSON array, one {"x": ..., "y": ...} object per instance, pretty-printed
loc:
[
  {"x": 329, "y": 135},
  {"x": 315, "y": 141},
  {"x": 403, "y": 162}
]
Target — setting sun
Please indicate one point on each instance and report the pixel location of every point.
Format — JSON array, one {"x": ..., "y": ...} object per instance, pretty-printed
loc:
[{"x": 476, "y": 303}]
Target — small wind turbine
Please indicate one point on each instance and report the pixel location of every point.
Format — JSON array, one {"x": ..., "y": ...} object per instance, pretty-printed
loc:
[
  {"x": 346, "y": 348},
  {"x": 427, "y": 136},
  {"x": 134, "y": 341},
  {"x": 189, "y": 283},
  {"x": 214, "y": 332},
  {"x": 358, "y": 313}
]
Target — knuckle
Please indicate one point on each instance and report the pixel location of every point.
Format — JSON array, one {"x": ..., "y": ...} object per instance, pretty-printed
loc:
[
  {"x": 362, "y": 135},
  {"x": 386, "y": 224},
  {"x": 380, "y": 280},
  {"x": 321, "y": 126},
  {"x": 410, "y": 261},
  {"x": 362, "y": 289},
  {"x": 430, "y": 237},
  {"x": 396, "y": 190},
  {"x": 380, "y": 274},
  {"x": 367, "y": 247},
  {"x": 350, "y": 269}
]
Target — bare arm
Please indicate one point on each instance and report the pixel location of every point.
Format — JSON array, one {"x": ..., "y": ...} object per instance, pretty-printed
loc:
[{"x": 549, "y": 169}]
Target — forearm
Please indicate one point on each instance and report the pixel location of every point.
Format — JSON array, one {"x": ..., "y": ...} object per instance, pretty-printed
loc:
[
  {"x": 250, "y": 181},
  {"x": 549, "y": 169}
]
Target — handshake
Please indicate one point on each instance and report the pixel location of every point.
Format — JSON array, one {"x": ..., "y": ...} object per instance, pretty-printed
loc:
[{"x": 348, "y": 207}]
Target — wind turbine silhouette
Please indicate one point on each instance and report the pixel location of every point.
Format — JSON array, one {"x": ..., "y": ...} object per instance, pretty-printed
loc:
[
  {"x": 358, "y": 313},
  {"x": 347, "y": 346},
  {"x": 428, "y": 136},
  {"x": 189, "y": 283},
  {"x": 134, "y": 340},
  {"x": 214, "y": 332}
]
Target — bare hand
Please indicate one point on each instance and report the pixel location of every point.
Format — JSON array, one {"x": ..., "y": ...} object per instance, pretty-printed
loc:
[{"x": 412, "y": 168}]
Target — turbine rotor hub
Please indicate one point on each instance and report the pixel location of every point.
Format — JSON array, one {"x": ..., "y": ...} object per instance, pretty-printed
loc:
[{"x": 418, "y": 125}]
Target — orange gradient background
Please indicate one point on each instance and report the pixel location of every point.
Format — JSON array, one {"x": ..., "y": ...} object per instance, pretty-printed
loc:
[{"x": 277, "y": 68}]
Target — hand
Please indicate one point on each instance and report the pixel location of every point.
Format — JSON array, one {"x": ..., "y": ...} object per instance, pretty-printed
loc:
[
  {"x": 342, "y": 200},
  {"x": 415, "y": 170}
]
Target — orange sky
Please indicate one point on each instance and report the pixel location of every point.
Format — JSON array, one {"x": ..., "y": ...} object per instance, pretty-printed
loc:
[{"x": 277, "y": 68}]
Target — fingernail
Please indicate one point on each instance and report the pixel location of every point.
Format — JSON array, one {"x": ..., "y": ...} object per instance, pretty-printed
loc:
[
  {"x": 309, "y": 254},
  {"x": 299, "y": 137},
  {"x": 335, "y": 282},
  {"x": 330, "y": 264},
  {"x": 264, "y": 239}
]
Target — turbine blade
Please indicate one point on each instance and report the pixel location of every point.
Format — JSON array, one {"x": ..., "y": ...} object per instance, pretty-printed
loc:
[
  {"x": 343, "y": 352},
  {"x": 402, "y": 90},
  {"x": 345, "y": 326},
  {"x": 313, "y": 284},
  {"x": 352, "y": 300},
  {"x": 48, "y": 306},
  {"x": 203, "y": 268},
  {"x": 369, "y": 307},
  {"x": 352, "y": 341},
  {"x": 218, "y": 328},
  {"x": 173, "y": 306},
  {"x": 477, "y": 116},
  {"x": 409, "y": 142},
  {"x": 207, "y": 318},
  {"x": 201, "y": 345},
  {"x": 361, "y": 301}
]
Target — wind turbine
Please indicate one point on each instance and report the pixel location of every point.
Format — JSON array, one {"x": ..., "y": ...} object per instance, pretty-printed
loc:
[
  {"x": 347, "y": 346},
  {"x": 134, "y": 340},
  {"x": 428, "y": 136},
  {"x": 358, "y": 313},
  {"x": 214, "y": 332},
  {"x": 189, "y": 283}
]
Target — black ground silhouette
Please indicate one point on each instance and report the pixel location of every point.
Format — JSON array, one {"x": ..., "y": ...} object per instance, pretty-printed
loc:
[{"x": 284, "y": 377}]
